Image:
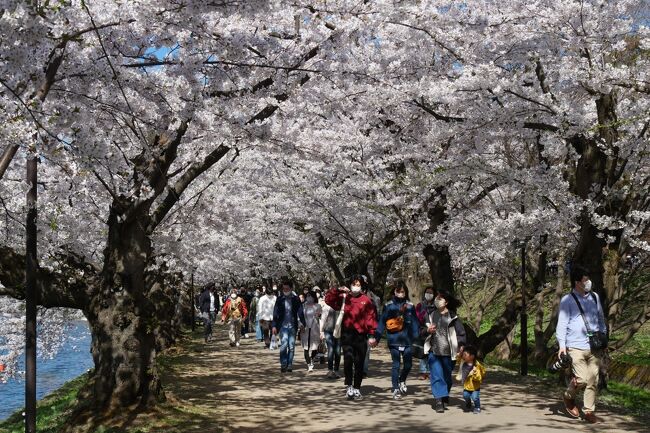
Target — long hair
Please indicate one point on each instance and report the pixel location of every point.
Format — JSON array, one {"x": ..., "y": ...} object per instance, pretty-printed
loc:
[{"x": 453, "y": 303}]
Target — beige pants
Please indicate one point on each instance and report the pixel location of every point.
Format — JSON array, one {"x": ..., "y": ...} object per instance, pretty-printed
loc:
[
  {"x": 585, "y": 367},
  {"x": 235, "y": 330}
]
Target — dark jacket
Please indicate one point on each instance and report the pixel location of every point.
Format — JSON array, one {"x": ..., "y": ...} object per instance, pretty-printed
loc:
[
  {"x": 296, "y": 312},
  {"x": 204, "y": 301},
  {"x": 411, "y": 328}
]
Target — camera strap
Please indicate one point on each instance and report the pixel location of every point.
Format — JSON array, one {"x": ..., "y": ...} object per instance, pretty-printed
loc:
[{"x": 582, "y": 312}]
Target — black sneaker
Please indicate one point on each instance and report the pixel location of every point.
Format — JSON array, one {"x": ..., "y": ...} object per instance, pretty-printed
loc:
[
  {"x": 439, "y": 406},
  {"x": 467, "y": 407},
  {"x": 283, "y": 369},
  {"x": 289, "y": 369}
]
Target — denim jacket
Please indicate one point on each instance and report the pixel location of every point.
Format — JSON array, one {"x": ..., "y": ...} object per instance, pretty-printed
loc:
[{"x": 411, "y": 327}]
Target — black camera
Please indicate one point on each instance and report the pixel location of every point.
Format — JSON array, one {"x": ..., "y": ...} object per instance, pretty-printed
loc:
[{"x": 563, "y": 362}]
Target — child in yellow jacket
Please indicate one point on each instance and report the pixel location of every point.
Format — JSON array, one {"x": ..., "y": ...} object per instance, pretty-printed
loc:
[{"x": 472, "y": 374}]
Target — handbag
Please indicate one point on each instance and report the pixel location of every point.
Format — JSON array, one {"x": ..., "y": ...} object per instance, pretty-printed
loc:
[
  {"x": 339, "y": 320},
  {"x": 597, "y": 340},
  {"x": 395, "y": 324}
]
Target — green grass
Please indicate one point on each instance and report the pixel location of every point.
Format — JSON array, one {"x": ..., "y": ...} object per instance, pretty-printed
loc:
[{"x": 51, "y": 411}]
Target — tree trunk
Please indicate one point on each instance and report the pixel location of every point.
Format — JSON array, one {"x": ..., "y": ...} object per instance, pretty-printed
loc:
[
  {"x": 123, "y": 319},
  {"x": 555, "y": 307},
  {"x": 503, "y": 325},
  {"x": 439, "y": 261}
]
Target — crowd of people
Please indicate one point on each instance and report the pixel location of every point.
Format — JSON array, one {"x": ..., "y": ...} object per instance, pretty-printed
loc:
[{"x": 346, "y": 321}]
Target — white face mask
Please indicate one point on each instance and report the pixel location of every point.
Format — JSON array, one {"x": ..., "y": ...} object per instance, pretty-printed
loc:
[
  {"x": 233, "y": 295},
  {"x": 356, "y": 289},
  {"x": 275, "y": 288},
  {"x": 440, "y": 303},
  {"x": 400, "y": 295},
  {"x": 428, "y": 296},
  {"x": 588, "y": 286}
]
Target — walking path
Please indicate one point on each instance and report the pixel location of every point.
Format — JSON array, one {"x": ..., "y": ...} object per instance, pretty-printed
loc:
[{"x": 242, "y": 390}]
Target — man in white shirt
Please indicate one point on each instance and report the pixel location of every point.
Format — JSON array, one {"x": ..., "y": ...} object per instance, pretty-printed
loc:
[{"x": 265, "y": 307}]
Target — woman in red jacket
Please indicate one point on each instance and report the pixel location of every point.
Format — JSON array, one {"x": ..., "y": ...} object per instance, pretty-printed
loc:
[{"x": 359, "y": 323}]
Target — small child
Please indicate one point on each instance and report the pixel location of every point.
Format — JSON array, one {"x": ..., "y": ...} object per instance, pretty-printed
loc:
[{"x": 472, "y": 374}]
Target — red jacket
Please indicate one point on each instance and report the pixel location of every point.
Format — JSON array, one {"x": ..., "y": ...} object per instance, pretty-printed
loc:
[{"x": 359, "y": 313}]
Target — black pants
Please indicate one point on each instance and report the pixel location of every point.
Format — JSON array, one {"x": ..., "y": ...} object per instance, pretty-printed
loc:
[
  {"x": 266, "y": 332},
  {"x": 354, "y": 347}
]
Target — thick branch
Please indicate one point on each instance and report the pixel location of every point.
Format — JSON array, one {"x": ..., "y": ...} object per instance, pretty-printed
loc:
[
  {"x": 175, "y": 192},
  {"x": 71, "y": 285},
  {"x": 331, "y": 261}
]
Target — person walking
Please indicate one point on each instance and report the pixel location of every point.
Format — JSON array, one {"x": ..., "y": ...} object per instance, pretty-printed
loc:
[
  {"x": 359, "y": 322},
  {"x": 252, "y": 315},
  {"x": 265, "y": 308},
  {"x": 377, "y": 303},
  {"x": 310, "y": 335},
  {"x": 444, "y": 342},
  {"x": 206, "y": 306},
  {"x": 288, "y": 319},
  {"x": 327, "y": 322},
  {"x": 422, "y": 310},
  {"x": 234, "y": 310},
  {"x": 581, "y": 315},
  {"x": 401, "y": 324}
]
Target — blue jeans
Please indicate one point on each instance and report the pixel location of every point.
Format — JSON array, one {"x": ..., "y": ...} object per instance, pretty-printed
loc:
[
  {"x": 396, "y": 355},
  {"x": 287, "y": 346},
  {"x": 472, "y": 396},
  {"x": 440, "y": 368},
  {"x": 333, "y": 351},
  {"x": 424, "y": 366},
  {"x": 258, "y": 331}
]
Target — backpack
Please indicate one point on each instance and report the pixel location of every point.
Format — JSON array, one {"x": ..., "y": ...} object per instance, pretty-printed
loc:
[{"x": 235, "y": 313}]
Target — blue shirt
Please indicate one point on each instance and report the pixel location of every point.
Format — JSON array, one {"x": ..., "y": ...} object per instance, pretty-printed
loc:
[{"x": 571, "y": 330}]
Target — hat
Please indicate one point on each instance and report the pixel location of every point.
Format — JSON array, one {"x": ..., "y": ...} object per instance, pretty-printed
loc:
[{"x": 316, "y": 289}]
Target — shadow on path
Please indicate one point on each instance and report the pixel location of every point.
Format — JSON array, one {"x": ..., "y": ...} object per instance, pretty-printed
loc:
[{"x": 219, "y": 388}]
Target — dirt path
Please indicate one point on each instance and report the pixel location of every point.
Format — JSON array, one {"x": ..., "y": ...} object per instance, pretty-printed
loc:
[{"x": 242, "y": 390}]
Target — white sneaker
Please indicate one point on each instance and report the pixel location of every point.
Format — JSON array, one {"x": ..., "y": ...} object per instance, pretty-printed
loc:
[
  {"x": 349, "y": 392},
  {"x": 402, "y": 387},
  {"x": 397, "y": 395},
  {"x": 237, "y": 344},
  {"x": 356, "y": 394},
  {"x": 310, "y": 367}
]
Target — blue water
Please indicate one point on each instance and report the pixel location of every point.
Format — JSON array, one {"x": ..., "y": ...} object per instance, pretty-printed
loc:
[{"x": 72, "y": 360}]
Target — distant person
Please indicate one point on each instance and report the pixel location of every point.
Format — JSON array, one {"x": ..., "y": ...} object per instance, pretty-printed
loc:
[
  {"x": 472, "y": 374},
  {"x": 288, "y": 319},
  {"x": 207, "y": 303},
  {"x": 402, "y": 327},
  {"x": 310, "y": 336},
  {"x": 573, "y": 338},
  {"x": 359, "y": 322},
  {"x": 444, "y": 342},
  {"x": 252, "y": 315},
  {"x": 423, "y": 309},
  {"x": 265, "y": 309},
  {"x": 327, "y": 321},
  {"x": 247, "y": 296},
  {"x": 377, "y": 303},
  {"x": 234, "y": 310}
]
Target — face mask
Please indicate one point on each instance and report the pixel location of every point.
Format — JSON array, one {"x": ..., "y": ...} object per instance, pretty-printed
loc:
[
  {"x": 356, "y": 289},
  {"x": 588, "y": 286},
  {"x": 275, "y": 288},
  {"x": 428, "y": 296},
  {"x": 257, "y": 293},
  {"x": 400, "y": 295},
  {"x": 440, "y": 302},
  {"x": 234, "y": 295}
]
